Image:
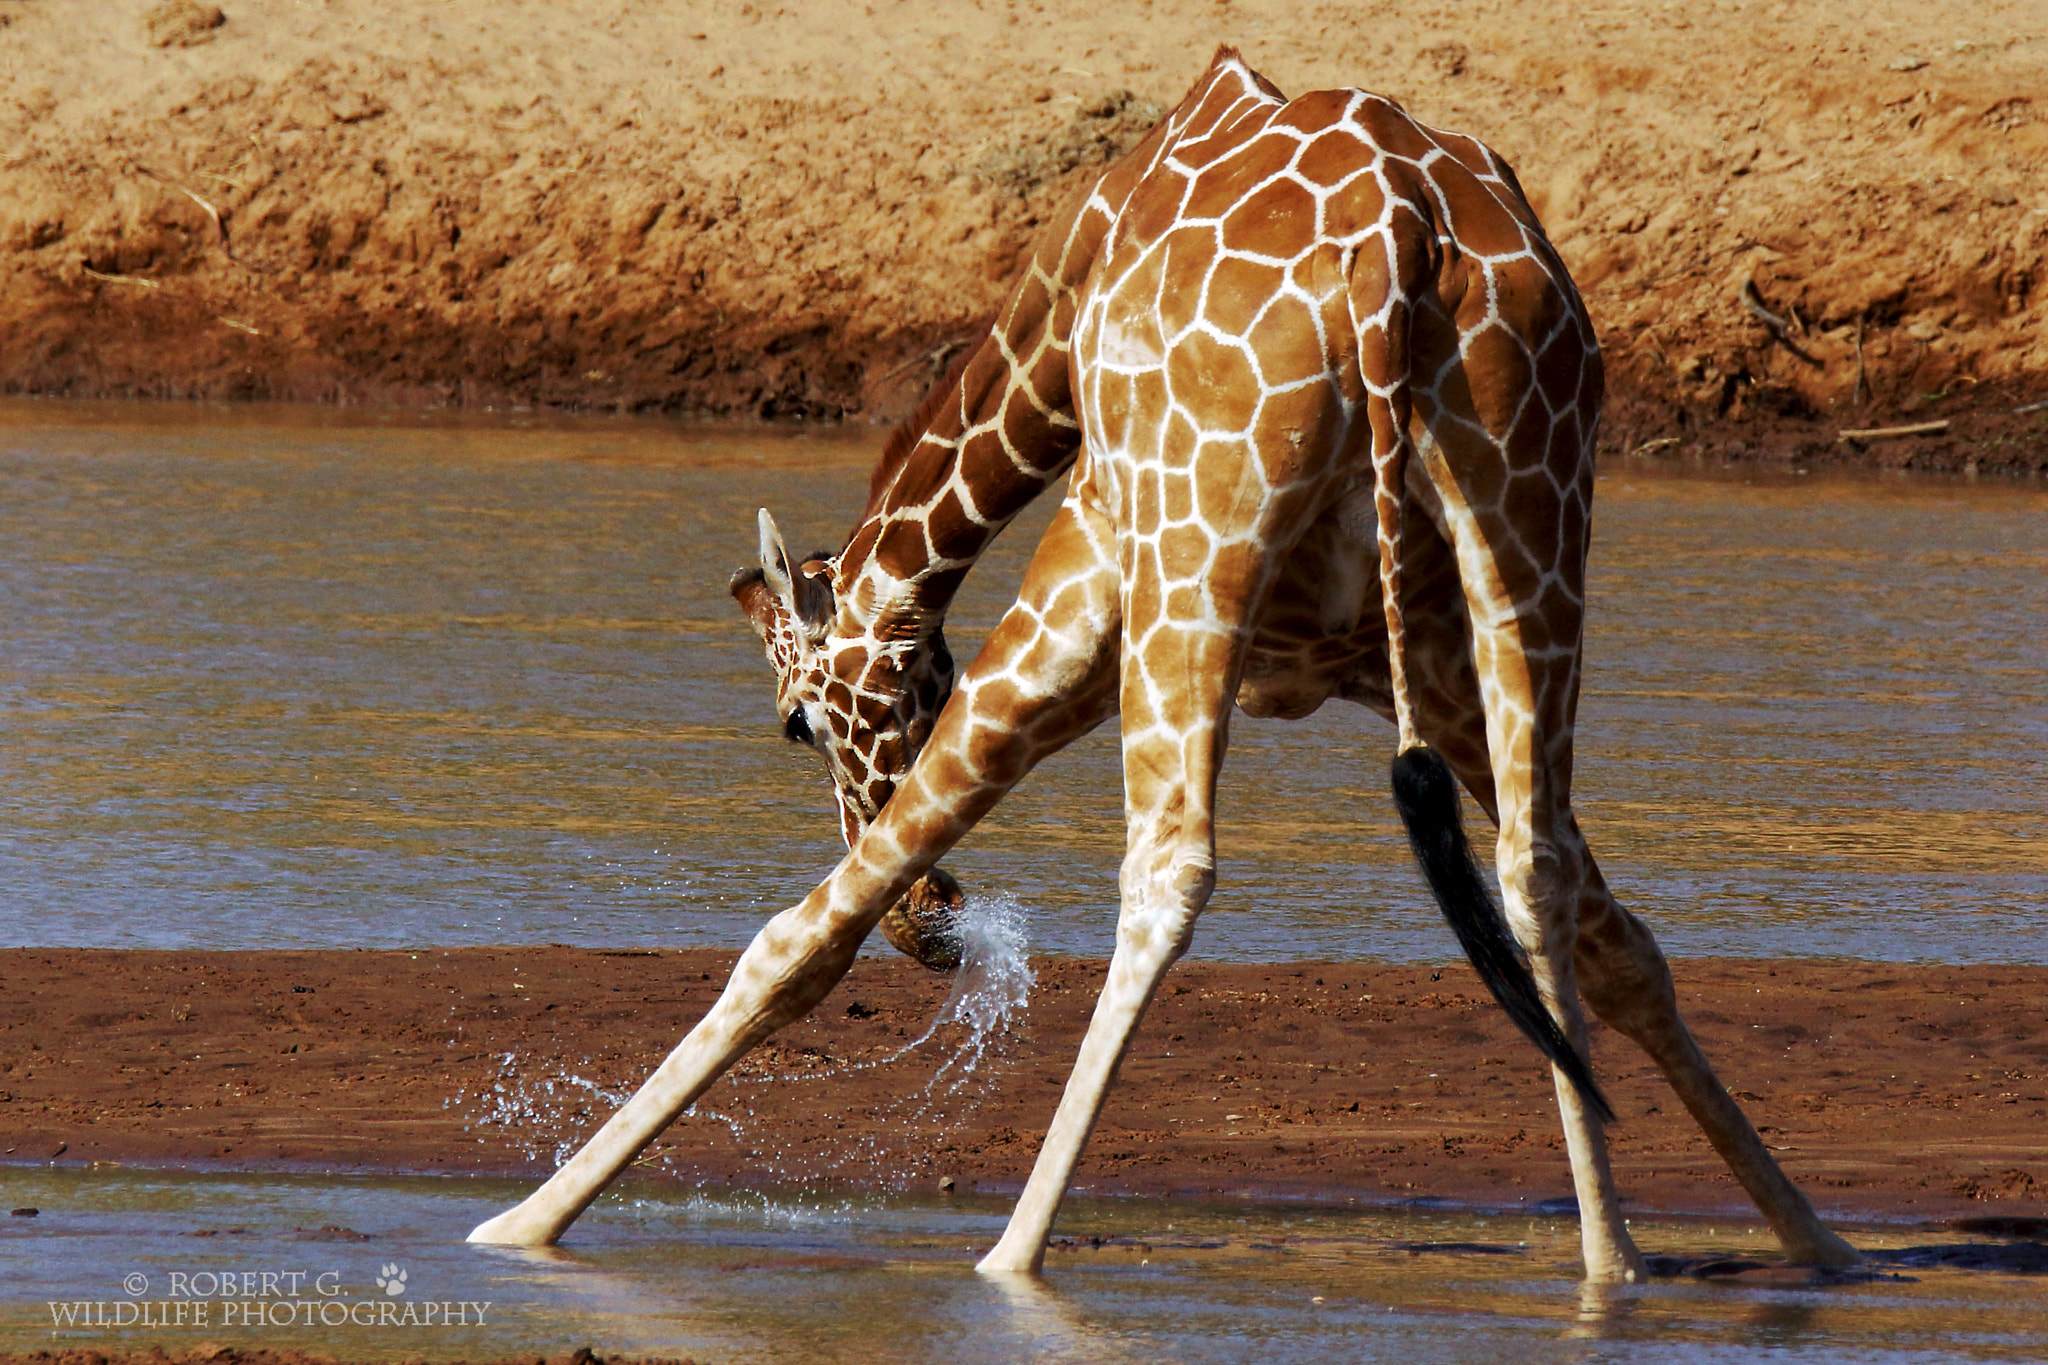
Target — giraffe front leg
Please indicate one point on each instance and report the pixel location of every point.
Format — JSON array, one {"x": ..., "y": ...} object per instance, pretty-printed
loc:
[
  {"x": 1162, "y": 897},
  {"x": 1174, "y": 703},
  {"x": 1628, "y": 984},
  {"x": 1044, "y": 678},
  {"x": 792, "y": 964}
]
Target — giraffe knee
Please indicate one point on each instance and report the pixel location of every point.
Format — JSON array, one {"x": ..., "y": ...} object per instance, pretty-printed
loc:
[
  {"x": 1161, "y": 904},
  {"x": 1622, "y": 974},
  {"x": 1540, "y": 886}
]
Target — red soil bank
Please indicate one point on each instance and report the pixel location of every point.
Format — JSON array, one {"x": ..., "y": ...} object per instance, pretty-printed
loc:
[{"x": 791, "y": 210}]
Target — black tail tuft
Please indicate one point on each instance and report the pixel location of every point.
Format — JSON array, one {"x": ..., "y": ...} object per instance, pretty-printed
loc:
[{"x": 1427, "y": 795}]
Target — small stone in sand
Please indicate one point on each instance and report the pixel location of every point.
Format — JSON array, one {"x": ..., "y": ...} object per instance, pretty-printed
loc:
[{"x": 182, "y": 23}]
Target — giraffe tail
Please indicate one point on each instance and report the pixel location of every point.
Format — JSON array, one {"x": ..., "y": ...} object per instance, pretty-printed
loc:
[
  {"x": 1427, "y": 795},
  {"x": 1384, "y": 293}
]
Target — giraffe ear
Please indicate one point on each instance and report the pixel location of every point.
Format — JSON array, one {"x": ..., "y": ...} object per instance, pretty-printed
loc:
[
  {"x": 774, "y": 558},
  {"x": 750, "y": 590},
  {"x": 814, "y": 601},
  {"x": 807, "y": 597}
]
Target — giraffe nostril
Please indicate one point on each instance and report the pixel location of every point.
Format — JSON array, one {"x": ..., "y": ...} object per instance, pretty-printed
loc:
[{"x": 797, "y": 729}]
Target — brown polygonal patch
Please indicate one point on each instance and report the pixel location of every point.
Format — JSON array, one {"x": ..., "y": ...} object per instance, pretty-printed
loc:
[
  {"x": 1483, "y": 227},
  {"x": 1497, "y": 371},
  {"x": 1390, "y": 128},
  {"x": 1237, "y": 290},
  {"x": 1527, "y": 442},
  {"x": 902, "y": 550},
  {"x": 1562, "y": 365},
  {"x": 1286, "y": 344},
  {"x": 1221, "y": 187},
  {"x": 949, "y": 529},
  {"x": 1567, "y": 446},
  {"x": 1177, "y": 452},
  {"x": 1314, "y": 111},
  {"x": 1233, "y": 572},
  {"x": 1183, "y": 552},
  {"x": 1479, "y": 467},
  {"x": 1337, "y": 156},
  {"x": 1277, "y": 219},
  {"x": 1214, "y": 381},
  {"x": 1189, "y": 603},
  {"x": 1534, "y": 502},
  {"x": 1184, "y": 256}
]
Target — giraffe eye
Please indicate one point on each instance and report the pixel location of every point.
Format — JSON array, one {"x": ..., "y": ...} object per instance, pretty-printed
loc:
[{"x": 797, "y": 729}]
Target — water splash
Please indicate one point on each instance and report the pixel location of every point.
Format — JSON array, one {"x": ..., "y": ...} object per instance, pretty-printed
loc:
[
  {"x": 551, "y": 1114},
  {"x": 542, "y": 1115},
  {"x": 991, "y": 987}
]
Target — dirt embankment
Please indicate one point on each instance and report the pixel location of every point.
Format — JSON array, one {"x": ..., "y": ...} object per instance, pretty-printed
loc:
[
  {"x": 788, "y": 210},
  {"x": 1888, "y": 1091}
]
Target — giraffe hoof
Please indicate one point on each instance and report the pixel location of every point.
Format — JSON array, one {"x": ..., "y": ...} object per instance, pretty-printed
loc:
[
  {"x": 1825, "y": 1248},
  {"x": 925, "y": 924}
]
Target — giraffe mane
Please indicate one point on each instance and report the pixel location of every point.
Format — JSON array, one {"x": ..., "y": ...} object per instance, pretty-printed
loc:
[
  {"x": 1228, "y": 56},
  {"x": 909, "y": 434},
  {"x": 904, "y": 440}
]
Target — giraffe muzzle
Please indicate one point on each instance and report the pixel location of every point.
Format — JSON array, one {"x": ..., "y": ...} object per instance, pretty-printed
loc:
[{"x": 925, "y": 924}]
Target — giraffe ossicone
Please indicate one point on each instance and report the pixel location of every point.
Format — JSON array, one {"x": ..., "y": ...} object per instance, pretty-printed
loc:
[{"x": 1329, "y": 402}]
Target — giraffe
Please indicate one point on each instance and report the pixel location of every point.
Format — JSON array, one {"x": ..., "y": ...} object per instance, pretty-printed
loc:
[{"x": 1329, "y": 399}]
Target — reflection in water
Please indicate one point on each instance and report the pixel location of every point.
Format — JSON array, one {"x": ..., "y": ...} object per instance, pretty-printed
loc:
[
  {"x": 1603, "y": 1310},
  {"x": 1783, "y": 1322},
  {"x": 278, "y": 677},
  {"x": 1044, "y": 1326},
  {"x": 654, "y": 1270}
]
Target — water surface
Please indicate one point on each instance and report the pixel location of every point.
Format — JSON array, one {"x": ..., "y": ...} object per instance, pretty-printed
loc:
[
  {"x": 740, "y": 1279},
  {"x": 276, "y": 677}
]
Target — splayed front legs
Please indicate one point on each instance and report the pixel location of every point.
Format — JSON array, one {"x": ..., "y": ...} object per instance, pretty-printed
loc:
[
  {"x": 792, "y": 964},
  {"x": 1032, "y": 691}
]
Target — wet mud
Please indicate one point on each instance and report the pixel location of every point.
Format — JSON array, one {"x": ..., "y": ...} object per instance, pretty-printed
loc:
[{"x": 1890, "y": 1092}]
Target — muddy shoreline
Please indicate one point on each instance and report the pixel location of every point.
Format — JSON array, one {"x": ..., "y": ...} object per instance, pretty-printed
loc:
[
  {"x": 1892, "y": 1092},
  {"x": 793, "y": 212}
]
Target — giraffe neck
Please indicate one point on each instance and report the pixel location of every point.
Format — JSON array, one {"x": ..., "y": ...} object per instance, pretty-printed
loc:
[
  {"x": 1004, "y": 430},
  {"x": 1002, "y": 435}
]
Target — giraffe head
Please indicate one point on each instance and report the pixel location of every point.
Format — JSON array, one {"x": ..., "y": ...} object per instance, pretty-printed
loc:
[{"x": 864, "y": 696}]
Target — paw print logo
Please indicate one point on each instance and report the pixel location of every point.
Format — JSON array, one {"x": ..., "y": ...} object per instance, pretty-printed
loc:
[{"x": 391, "y": 1279}]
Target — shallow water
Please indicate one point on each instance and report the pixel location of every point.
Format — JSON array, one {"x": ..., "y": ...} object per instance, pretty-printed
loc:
[
  {"x": 655, "y": 1270},
  {"x": 277, "y": 677}
]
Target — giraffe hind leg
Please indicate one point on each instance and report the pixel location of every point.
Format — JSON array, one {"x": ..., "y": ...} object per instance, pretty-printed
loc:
[
  {"x": 1623, "y": 976},
  {"x": 1525, "y": 700},
  {"x": 1427, "y": 795},
  {"x": 1627, "y": 983},
  {"x": 1387, "y": 292}
]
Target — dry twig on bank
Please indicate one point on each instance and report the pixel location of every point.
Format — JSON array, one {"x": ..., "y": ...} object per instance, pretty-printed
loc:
[
  {"x": 135, "y": 280},
  {"x": 1780, "y": 331},
  {"x": 220, "y": 227},
  {"x": 1861, "y": 393},
  {"x": 1888, "y": 433}
]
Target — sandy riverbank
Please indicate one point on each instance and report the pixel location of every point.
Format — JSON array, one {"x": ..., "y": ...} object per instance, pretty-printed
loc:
[
  {"x": 1892, "y": 1092},
  {"x": 785, "y": 210}
]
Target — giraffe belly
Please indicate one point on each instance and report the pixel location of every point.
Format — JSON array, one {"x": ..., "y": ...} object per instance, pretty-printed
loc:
[{"x": 1322, "y": 633}]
